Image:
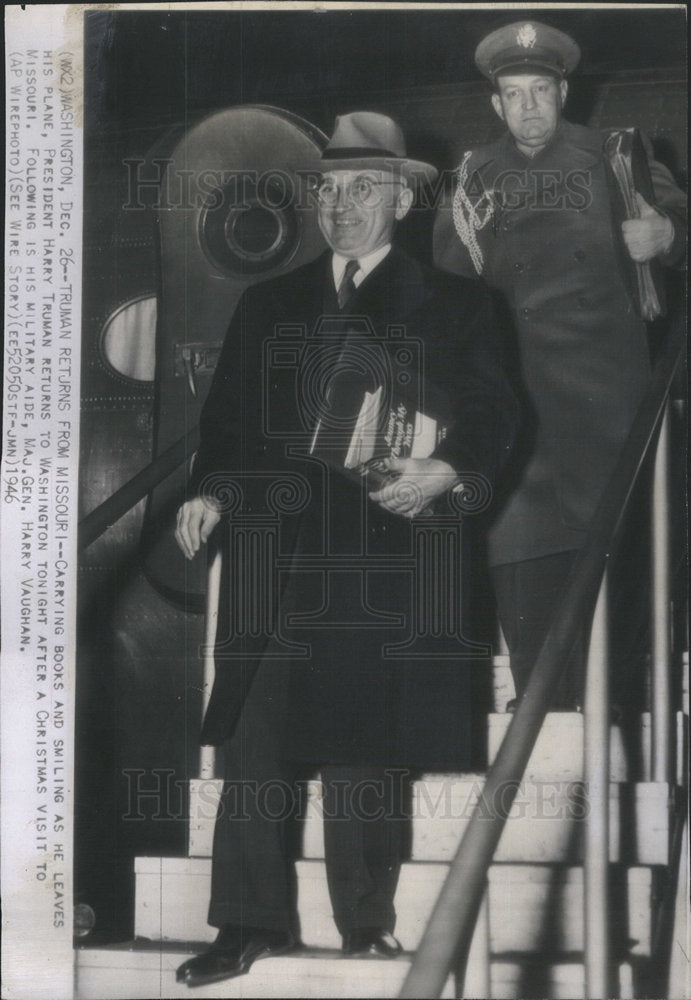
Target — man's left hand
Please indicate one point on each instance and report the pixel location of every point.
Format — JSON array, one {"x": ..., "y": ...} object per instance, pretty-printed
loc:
[
  {"x": 650, "y": 235},
  {"x": 414, "y": 484}
]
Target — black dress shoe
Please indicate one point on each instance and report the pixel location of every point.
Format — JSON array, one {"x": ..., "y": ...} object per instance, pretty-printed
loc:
[
  {"x": 371, "y": 941},
  {"x": 233, "y": 953}
]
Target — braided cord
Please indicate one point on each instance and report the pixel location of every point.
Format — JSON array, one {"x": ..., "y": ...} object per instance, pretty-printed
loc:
[{"x": 467, "y": 218}]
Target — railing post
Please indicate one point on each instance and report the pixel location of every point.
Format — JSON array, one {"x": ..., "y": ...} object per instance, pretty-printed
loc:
[
  {"x": 207, "y": 755},
  {"x": 660, "y": 625},
  {"x": 678, "y": 977},
  {"x": 477, "y": 979},
  {"x": 596, "y": 768}
]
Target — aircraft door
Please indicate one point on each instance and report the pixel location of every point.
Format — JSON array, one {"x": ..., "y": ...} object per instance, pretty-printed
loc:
[{"x": 234, "y": 210}]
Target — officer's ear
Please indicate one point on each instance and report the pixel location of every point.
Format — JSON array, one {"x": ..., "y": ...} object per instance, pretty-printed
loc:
[
  {"x": 496, "y": 104},
  {"x": 563, "y": 90},
  {"x": 403, "y": 202}
]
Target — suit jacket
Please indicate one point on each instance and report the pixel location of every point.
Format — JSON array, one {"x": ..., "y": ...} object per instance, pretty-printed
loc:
[
  {"x": 553, "y": 253},
  {"x": 342, "y": 596}
]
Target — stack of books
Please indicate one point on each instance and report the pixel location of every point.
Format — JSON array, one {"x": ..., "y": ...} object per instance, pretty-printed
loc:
[{"x": 364, "y": 427}]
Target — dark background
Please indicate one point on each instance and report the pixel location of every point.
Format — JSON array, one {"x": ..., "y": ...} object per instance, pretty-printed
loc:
[
  {"x": 146, "y": 66},
  {"x": 138, "y": 695}
]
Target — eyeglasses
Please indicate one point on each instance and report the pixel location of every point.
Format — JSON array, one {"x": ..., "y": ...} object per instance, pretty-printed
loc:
[{"x": 361, "y": 190}]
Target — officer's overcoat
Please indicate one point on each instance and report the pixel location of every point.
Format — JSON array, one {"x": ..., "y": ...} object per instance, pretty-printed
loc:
[{"x": 550, "y": 245}]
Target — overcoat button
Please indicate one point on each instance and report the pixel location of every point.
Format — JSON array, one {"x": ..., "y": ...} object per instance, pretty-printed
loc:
[
  {"x": 518, "y": 266},
  {"x": 579, "y": 255}
]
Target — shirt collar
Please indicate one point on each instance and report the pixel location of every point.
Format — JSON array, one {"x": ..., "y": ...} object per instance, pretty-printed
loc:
[{"x": 367, "y": 264}]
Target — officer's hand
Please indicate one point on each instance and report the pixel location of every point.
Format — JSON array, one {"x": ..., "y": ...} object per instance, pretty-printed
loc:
[
  {"x": 649, "y": 236},
  {"x": 416, "y": 484},
  {"x": 196, "y": 520}
]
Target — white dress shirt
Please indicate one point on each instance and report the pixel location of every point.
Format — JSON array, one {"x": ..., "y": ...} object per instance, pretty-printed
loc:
[{"x": 366, "y": 264}]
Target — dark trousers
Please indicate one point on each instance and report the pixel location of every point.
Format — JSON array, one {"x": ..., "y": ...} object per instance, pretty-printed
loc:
[
  {"x": 527, "y": 593},
  {"x": 364, "y": 826}
]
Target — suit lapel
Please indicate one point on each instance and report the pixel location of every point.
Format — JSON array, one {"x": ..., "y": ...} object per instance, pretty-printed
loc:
[
  {"x": 391, "y": 291},
  {"x": 303, "y": 295}
]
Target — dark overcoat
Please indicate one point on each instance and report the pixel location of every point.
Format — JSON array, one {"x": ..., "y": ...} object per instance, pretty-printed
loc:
[
  {"x": 551, "y": 247},
  {"x": 346, "y": 584}
]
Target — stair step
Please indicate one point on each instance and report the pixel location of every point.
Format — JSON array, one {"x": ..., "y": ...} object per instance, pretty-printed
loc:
[
  {"x": 531, "y": 907},
  {"x": 556, "y": 980},
  {"x": 138, "y": 971},
  {"x": 545, "y": 823},
  {"x": 558, "y": 751}
]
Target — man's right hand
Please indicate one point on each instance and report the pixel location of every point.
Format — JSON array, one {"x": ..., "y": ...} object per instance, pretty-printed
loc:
[{"x": 196, "y": 520}]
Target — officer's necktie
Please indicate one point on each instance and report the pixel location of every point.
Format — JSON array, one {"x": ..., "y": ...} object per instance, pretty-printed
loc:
[{"x": 347, "y": 287}]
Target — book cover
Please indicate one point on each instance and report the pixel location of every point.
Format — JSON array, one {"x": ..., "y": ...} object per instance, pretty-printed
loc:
[{"x": 364, "y": 426}]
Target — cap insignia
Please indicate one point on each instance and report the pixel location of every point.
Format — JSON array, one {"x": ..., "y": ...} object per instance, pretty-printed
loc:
[{"x": 526, "y": 36}]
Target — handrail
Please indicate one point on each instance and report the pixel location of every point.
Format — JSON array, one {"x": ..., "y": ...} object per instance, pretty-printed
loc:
[
  {"x": 596, "y": 755},
  {"x": 117, "y": 505},
  {"x": 447, "y": 937},
  {"x": 661, "y": 693}
]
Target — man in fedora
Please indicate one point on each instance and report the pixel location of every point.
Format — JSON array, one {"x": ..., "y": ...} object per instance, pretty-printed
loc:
[
  {"x": 344, "y": 707},
  {"x": 534, "y": 214}
]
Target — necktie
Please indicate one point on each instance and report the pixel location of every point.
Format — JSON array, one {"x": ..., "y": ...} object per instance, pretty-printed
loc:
[{"x": 347, "y": 286}]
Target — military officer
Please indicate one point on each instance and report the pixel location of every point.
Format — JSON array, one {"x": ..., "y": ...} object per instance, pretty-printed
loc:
[{"x": 533, "y": 216}]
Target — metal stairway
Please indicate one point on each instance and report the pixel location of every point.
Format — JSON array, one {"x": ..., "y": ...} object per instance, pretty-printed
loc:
[
  {"x": 529, "y": 937},
  {"x": 525, "y": 917}
]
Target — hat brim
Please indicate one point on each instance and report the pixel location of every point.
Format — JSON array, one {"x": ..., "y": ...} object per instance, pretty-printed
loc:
[
  {"x": 560, "y": 57},
  {"x": 526, "y": 65},
  {"x": 412, "y": 170}
]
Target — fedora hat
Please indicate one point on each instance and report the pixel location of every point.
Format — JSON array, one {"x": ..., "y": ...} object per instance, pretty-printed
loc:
[{"x": 364, "y": 140}]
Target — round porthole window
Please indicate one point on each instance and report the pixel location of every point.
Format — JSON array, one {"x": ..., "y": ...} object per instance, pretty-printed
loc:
[
  {"x": 249, "y": 227},
  {"x": 128, "y": 341}
]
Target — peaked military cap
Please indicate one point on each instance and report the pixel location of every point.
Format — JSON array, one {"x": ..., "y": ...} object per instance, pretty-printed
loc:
[{"x": 526, "y": 44}]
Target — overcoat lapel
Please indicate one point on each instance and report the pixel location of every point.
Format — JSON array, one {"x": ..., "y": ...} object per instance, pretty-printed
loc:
[{"x": 391, "y": 291}]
